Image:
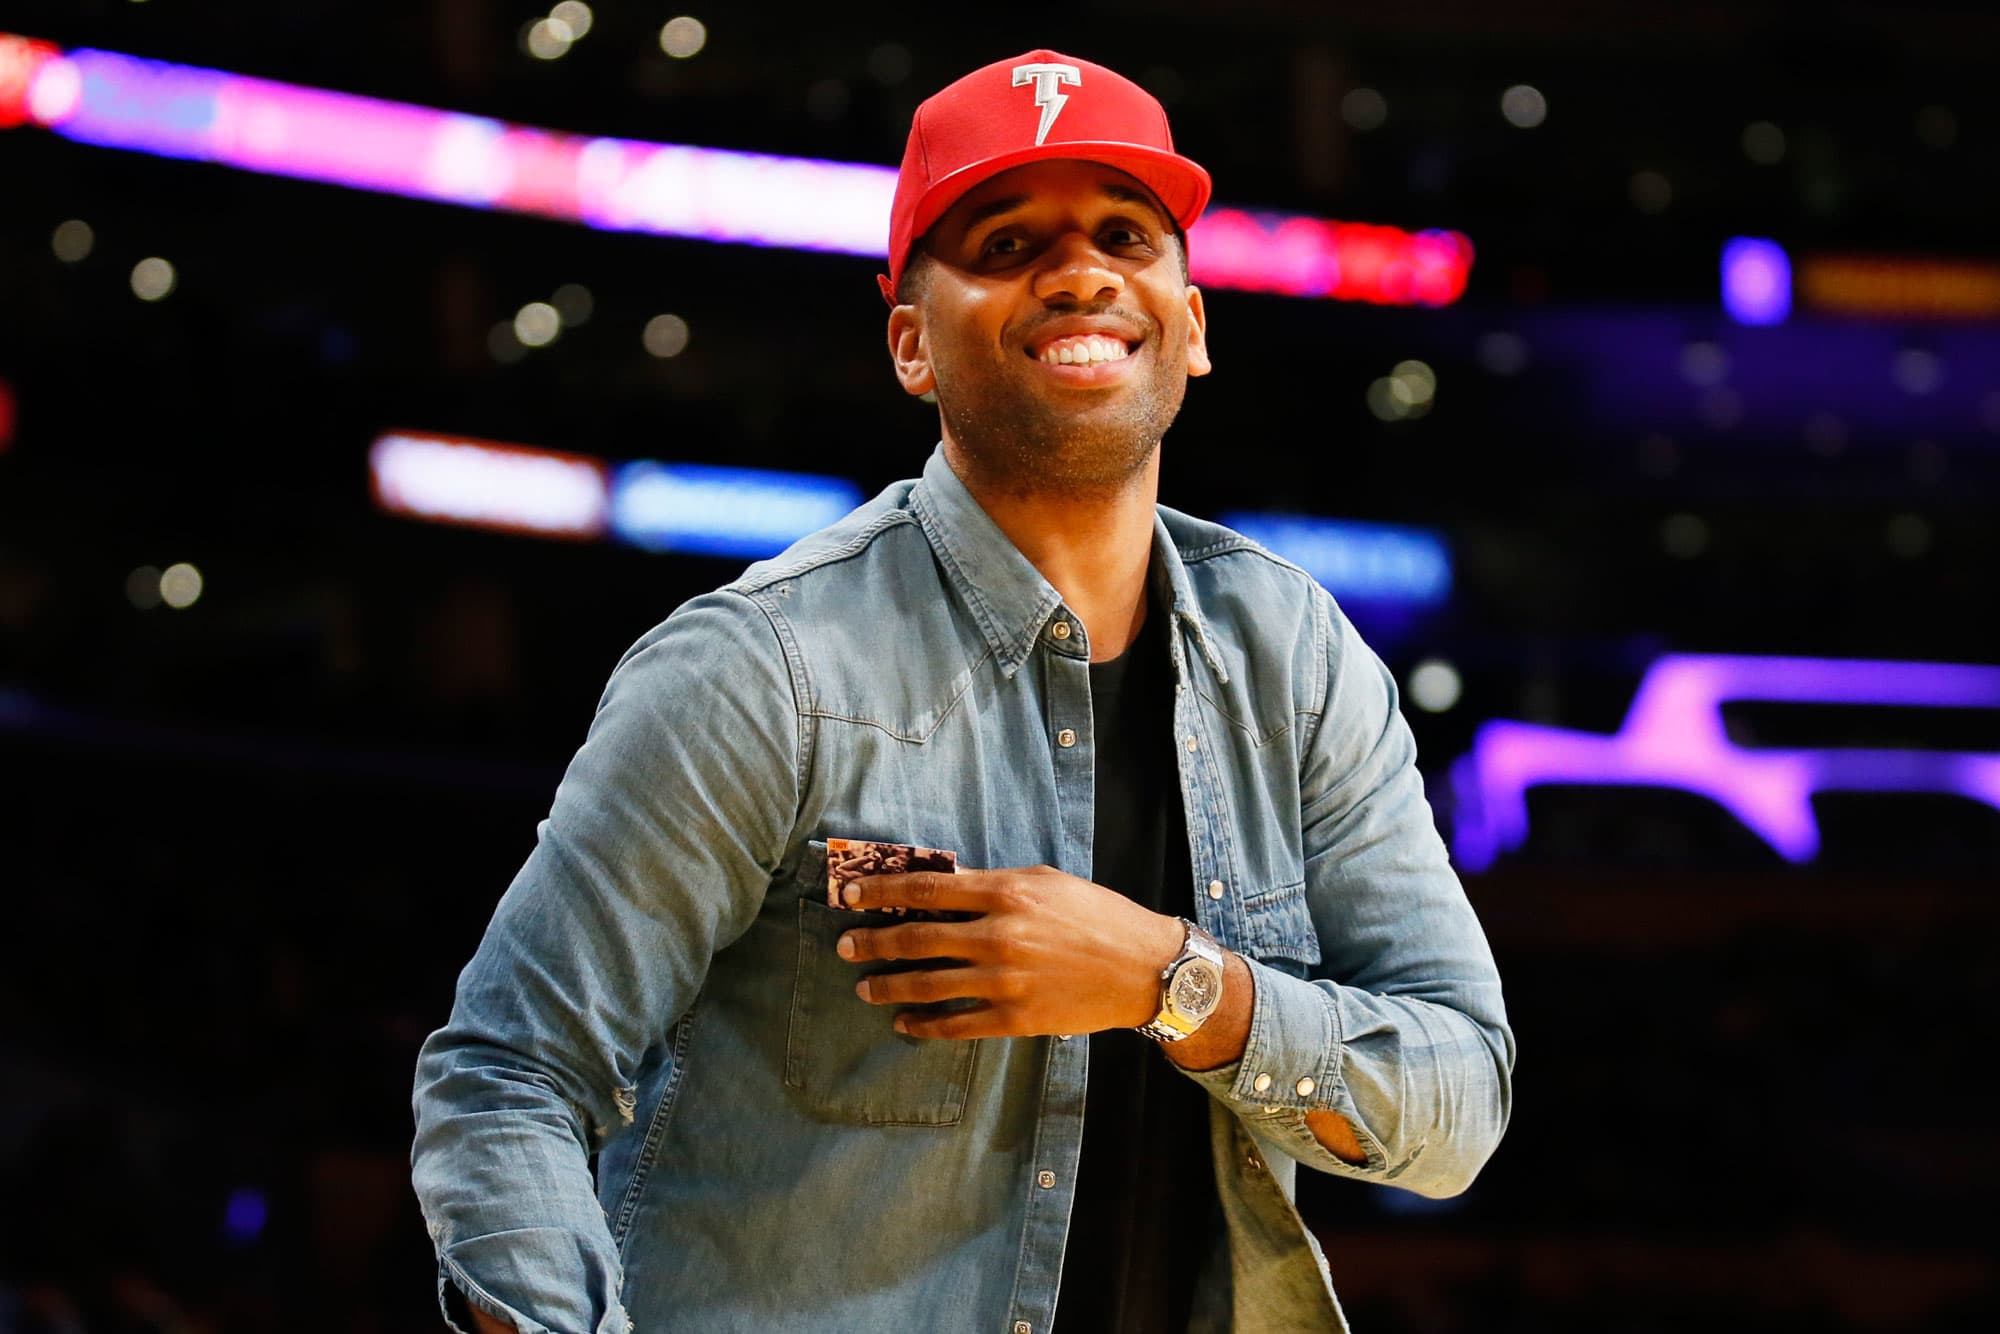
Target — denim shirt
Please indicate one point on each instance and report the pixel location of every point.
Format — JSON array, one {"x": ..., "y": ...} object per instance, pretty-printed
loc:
[{"x": 658, "y": 989}]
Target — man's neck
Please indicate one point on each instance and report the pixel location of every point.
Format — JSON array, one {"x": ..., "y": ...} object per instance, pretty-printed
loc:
[{"x": 1095, "y": 549}]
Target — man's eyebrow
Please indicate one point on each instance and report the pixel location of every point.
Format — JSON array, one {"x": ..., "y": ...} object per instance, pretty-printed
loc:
[
  {"x": 993, "y": 208},
  {"x": 1125, "y": 194}
]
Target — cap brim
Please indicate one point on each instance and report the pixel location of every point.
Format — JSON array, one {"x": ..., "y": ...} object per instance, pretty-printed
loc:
[{"x": 1179, "y": 183}]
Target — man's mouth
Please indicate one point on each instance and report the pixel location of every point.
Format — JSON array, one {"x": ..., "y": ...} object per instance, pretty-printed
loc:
[{"x": 1084, "y": 350}]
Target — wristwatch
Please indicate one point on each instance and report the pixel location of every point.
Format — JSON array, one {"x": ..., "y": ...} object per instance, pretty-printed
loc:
[{"x": 1190, "y": 987}]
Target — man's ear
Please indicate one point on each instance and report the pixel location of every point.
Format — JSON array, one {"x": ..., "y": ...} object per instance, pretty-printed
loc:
[
  {"x": 909, "y": 351},
  {"x": 1198, "y": 363}
]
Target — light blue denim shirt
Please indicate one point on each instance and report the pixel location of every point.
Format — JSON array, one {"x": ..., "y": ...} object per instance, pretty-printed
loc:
[{"x": 658, "y": 989}]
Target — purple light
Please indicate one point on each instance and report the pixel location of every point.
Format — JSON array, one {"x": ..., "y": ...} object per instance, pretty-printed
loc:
[
  {"x": 150, "y": 106},
  {"x": 750, "y": 198},
  {"x": 243, "y": 1218},
  {"x": 1673, "y": 737},
  {"x": 1756, "y": 281}
]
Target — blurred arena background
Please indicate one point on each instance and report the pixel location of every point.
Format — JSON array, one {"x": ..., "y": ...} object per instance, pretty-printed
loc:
[{"x": 1631, "y": 372}]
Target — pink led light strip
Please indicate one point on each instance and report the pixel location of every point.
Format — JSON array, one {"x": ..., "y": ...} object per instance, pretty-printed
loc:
[
  {"x": 120, "y": 101},
  {"x": 1673, "y": 737}
]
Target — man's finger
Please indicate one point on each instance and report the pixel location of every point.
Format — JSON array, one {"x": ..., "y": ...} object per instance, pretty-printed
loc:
[
  {"x": 912, "y": 940},
  {"x": 927, "y": 986},
  {"x": 966, "y": 891},
  {"x": 978, "y": 1021}
]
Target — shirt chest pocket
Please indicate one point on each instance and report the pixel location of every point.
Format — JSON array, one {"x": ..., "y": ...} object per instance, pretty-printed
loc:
[
  {"x": 1278, "y": 929},
  {"x": 843, "y": 1059}
]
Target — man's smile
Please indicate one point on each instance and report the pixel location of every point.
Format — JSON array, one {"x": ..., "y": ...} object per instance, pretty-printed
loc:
[{"x": 1085, "y": 350}]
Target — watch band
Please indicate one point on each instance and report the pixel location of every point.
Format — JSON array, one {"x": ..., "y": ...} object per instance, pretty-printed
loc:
[{"x": 1190, "y": 987}]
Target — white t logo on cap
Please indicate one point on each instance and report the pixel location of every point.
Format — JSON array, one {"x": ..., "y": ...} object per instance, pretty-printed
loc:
[{"x": 1048, "y": 78}]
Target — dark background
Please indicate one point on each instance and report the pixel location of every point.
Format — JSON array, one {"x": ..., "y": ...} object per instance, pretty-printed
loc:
[{"x": 248, "y": 845}]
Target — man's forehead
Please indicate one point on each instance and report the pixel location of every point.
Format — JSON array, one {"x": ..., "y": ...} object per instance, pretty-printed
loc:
[{"x": 1020, "y": 186}]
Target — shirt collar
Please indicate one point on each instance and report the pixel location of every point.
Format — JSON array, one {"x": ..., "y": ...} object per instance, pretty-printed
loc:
[{"x": 1008, "y": 596}]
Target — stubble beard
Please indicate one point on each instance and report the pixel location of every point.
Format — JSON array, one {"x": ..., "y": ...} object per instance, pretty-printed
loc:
[{"x": 1024, "y": 444}]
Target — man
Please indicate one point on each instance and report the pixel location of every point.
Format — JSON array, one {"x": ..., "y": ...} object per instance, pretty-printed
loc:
[{"x": 819, "y": 1117}]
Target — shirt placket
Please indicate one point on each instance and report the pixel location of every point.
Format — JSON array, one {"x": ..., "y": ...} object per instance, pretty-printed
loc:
[{"x": 1064, "y": 658}]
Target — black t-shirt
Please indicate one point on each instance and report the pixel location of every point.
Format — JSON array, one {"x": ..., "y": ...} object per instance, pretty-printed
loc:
[{"x": 1145, "y": 1190}]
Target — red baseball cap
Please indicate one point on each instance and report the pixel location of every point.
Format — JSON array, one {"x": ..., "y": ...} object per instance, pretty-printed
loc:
[{"x": 1034, "y": 107}]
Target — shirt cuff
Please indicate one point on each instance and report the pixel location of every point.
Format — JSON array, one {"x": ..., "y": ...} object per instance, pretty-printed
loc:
[
  {"x": 529, "y": 1257},
  {"x": 1291, "y": 1061}
]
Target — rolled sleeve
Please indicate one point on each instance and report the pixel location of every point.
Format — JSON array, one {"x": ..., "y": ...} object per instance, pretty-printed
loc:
[
  {"x": 1291, "y": 1065},
  {"x": 542, "y": 1257},
  {"x": 1400, "y": 1027}
]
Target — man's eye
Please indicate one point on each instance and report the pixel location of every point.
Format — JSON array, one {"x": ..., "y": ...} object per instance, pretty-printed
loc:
[
  {"x": 1004, "y": 245},
  {"x": 1123, "y": 236}
]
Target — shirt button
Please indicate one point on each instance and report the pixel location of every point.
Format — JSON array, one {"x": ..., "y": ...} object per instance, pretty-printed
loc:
[
  {"x": 1060, "y": 629},
  {"x": 1045, "y": 1179},
  {"x": 1066, "y": 737},
  {"x": 1262, "y": 1083},
  {"x": 1215, "y": 889},
  {"x": 1305, "y": 1086},
  {"x": 1023, "y": 1327},
  {"x": 1191, "y": 743}
]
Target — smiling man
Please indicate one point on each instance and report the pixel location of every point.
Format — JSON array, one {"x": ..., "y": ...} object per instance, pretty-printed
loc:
[{"x": 1202, "y": 928}]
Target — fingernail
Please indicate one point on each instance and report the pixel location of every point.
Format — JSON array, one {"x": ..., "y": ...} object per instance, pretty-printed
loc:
[
  {"x": 852, "y": 894},
  {"x": 861, "y": 988},
  {"x": 846, "y": 947}
]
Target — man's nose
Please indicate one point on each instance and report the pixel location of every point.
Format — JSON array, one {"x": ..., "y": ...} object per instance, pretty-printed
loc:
[{"x": 1074, "y": 269}]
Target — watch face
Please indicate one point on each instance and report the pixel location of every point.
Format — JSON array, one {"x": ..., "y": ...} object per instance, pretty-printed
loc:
[{"x": 1196, "y": 989}]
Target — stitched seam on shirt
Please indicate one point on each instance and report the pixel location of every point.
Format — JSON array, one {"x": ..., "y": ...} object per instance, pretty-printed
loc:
[
  {"x": 849, "y": 549},
  {"x": 1322, "y": 672},
  {"x": 912, "y": 738},
  {"x": 1242, "y": 726},
  {"x": 796, "y": 669},
  {"x": 656, "y": 1128}
]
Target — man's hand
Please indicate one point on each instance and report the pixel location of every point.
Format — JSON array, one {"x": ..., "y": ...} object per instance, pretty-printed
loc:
[{"x": 1048, "y": 953}]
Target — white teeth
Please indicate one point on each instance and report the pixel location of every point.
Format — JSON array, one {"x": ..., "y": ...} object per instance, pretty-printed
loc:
[{"x": 1084, "y": 351}]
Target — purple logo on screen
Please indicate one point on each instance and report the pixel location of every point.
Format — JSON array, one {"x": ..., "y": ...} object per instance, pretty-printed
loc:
[{"x": 1673, "y": 737}]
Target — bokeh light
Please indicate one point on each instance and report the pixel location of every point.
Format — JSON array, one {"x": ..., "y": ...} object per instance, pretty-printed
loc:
[
  {"x": 1703, "y": 363},
  {"x": 1763, "y": 143},
  {"x": 537, "y": 324},
  {"x": 1364, "y": 109},
  {"x": 142, "y": 587},
  {"x": 666, "y": 335},
  {"x": 1917, "y": 371},
  {"x": 576, "y": 16},
  {"x": 153, "y": 279},
  {"x": 1684, "y": 536},
  {"x": 180, "y": 585},
  {"x": 72, "y": 241},
  {"x": 1524, "y": 106},
  {"x": 683, "y": 37},
  {"x": 574, "y": 303},
  {"x": 1650, "y": 191},
  {"x": 1501, "y": 352},
  {"x": 1907, "y": 536},
  {"x": 1435, "y": 685},
  {"x": 547, "y": 39}
]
